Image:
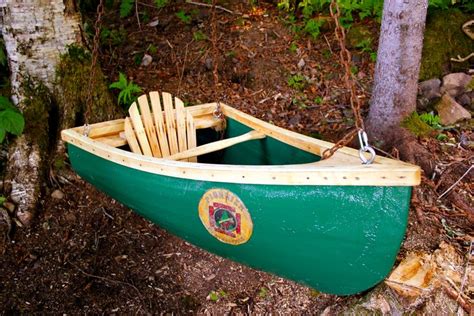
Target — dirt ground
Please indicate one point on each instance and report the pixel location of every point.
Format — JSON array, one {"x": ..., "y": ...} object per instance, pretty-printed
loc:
[{"x": 86, "y": 253}]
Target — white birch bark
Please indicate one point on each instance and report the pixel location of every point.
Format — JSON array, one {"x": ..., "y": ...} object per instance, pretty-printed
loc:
[
  {"x": 397, "y": 67},
  {"x": 35, "y": 32}
]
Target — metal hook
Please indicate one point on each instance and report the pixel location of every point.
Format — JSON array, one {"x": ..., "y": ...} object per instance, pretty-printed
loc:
[{"x": 365, "y": 147}]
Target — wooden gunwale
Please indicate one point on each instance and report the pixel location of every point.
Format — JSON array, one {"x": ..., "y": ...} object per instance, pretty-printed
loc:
[{"x": 344, "y": 168}]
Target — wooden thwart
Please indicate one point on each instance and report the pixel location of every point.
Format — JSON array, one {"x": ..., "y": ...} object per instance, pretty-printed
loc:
[{"x": 215, "y": 146}]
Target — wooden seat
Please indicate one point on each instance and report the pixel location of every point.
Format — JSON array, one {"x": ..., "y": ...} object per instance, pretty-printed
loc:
[{"x": 160, "y": 131}]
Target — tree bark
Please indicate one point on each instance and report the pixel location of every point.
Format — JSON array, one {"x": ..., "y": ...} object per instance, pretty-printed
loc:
[
  {"x": 396, "y": 77},
  {"x": 46, "y": 88}
]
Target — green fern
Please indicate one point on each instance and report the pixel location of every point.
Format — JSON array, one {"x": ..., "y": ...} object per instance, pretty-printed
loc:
[
  {"x": 126, "y": 7},
  {"x": 128, "y": 90}
]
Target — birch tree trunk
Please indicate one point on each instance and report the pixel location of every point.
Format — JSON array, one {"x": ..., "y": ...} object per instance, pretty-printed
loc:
[
  {"x": 35, "y": 32},
  {"x": 396, "y": 76}
]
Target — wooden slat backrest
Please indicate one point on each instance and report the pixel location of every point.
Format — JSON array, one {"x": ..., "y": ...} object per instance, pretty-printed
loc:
[
  {"x": 139, "y": 129},
  {"x": 149, "y": 125},
  {"x": 170, "y": 122},
  {"x": 163, "y": 131},
  {"x": 130, "y": 136},
  {"x": 191, "y": 134},
  {"x": 159, "y": 123}
]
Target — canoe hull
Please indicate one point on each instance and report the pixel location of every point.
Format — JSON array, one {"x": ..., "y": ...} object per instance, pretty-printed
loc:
[{"x": 336, "y": 239}]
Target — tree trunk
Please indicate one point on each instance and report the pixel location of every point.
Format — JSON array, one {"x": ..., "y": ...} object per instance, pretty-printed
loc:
[
  {"x": 36, "y": 34},
  {"x": 396, "y": 77}
]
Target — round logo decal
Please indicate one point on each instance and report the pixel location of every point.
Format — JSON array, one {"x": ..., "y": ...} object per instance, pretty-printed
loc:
[{"x": 225, "y": 216}]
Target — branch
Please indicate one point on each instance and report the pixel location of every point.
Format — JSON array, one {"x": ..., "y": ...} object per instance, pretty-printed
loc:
[
  {"x": 210, "y": 6},
  {"x": 461, "y": 60}
]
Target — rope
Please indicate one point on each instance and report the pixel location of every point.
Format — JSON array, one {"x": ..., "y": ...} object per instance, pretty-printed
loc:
[
  {"x": 95, "y": 54},
  {"x": 345, "y": 59}
]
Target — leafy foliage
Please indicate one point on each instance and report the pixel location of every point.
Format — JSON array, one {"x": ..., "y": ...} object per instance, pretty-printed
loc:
[
  {"x": 199, "y": 36},
  {"x": 161, "y": 3},
  {"x": 128, "y": 90},
  {"x": 126, "y": 7},
  {"x": 11, "y": 120},
  {"x": 363, "y": 8},
  {"x": 184, "y": 17},
  {"x": 431, "y": 119},
  {"x": 297, "y": 82}
]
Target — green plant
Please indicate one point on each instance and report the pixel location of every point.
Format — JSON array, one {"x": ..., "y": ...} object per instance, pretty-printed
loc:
[
  {"x": 11, "y": 120},
  {"x": 365, "y": 46},
  {"x": 216, "y": 295},
  {"x": 293, "y": 48},
  {"x": 431, "y": 119},
  {"x": 113, "y": 37},
  {"x": 183, "y": 17},
  {"x": 199, "y": 36},
  {"x": 152, "y": 49},
  {"x": 3, "y": 199},
  {"x": 313, "y": 27},
  {"x": 297, "y": 82},
  {"x": 128, "y": 90},
  {"x": 318, "y": 100},
  {"x": 161, "y": 3},
  {"x": 263, "y": 292},
  {"x": 126, "y": 7}
]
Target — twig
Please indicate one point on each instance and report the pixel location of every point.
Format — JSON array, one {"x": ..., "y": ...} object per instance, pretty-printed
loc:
[
  {"x": 329, "y": 45},
  {"x": 210, "y": 6},
  {"x": 181, "y": 75},
  {"x": 138, "y": 17},
  {"x": 459, "y": 59},
  {"x": 455, "y": 183},
  {"x": 464, "y": 278},
  {"x": 454, "y": 295},
  {"x": 107, "y": 279}
]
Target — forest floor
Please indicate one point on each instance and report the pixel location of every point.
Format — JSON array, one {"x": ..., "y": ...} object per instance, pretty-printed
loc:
[{"x": 86, "y": 253}]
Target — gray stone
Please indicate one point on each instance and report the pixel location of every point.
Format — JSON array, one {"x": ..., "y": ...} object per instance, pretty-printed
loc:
[
  {"x": 450, "y": 111},
  {"x": 146, "y": 60},
  {"x": 430, "y": 89},
  {"x": 57, "y": 194},
  {"x": 301, "y": 63},
  {"x": 464, "y": 100},
  {"x": 455, "y": 84}
]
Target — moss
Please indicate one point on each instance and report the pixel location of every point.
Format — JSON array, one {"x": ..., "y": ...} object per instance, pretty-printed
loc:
[
  {"x": 414, "y": 124},
  {"x": 73, "y": 82},
  {"x": 443, "y": 40},
  {"x": 36, "y": 104}
]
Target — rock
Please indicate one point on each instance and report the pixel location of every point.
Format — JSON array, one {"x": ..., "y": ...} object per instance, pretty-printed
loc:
[
  {"x": 454, "y": 84},
  {"x": 430, "y": 89},
  {"x": 464, "y": 100},
  {"x": 301, "y": 63},
  {"x": 57, "y": 194},
  {"x": 450, "y": 111},
  {"x": 154, "y": 23},
  {"x": 24, "y": 218},
  {"x": 9, "y": 206},
  {"x": 146, "y": 60}
]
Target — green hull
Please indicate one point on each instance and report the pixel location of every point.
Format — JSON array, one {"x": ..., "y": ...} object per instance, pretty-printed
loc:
[{"x": 336, "y": 239}]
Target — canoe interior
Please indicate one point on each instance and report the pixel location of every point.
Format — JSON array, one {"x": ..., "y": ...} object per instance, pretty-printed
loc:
[{"x": 267, "y": 151}]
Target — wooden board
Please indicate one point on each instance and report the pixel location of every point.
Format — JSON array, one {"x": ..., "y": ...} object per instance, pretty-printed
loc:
[
  {"x": 191, "y": 134},
  {"x": 180, "y": 124},
  {"x": 139, "y": 130},
  {"x": 215, "y": 146},
  {"x": 149, "y": 125},
  {"x": 131, "y": 138},
  {"x": 170, "y": 123},
  {"x": 159, "y": 123}
]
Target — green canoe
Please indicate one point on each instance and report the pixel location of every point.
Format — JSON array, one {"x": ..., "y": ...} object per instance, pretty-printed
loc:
[{"x": 335, "y": 225}]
